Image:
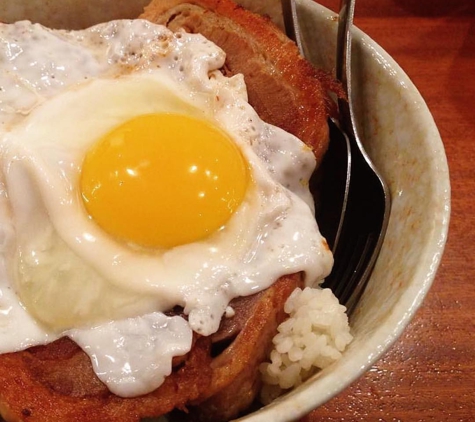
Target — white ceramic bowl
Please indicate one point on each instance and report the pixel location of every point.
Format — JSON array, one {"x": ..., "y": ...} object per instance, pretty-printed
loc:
[{"x": 403, "y": 141}]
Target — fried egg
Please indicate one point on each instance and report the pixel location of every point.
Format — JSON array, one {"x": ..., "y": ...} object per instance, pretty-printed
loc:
[{"x": 135, "y": 178}]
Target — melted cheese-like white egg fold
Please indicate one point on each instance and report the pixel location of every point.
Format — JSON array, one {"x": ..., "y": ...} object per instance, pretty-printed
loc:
[{"x": 140, "y": 362}]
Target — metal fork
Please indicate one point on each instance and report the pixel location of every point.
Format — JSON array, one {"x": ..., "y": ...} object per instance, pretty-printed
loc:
[{"x": 353, "y": 207}]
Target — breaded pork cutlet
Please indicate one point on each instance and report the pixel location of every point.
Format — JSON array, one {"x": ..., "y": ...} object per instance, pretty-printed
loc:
[
  {"x": 56, "y": 382},
  {"x": 218, "y": 379}
]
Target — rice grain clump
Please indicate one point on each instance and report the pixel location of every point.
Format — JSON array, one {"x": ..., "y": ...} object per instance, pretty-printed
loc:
[{"x": 313, "y": 337}]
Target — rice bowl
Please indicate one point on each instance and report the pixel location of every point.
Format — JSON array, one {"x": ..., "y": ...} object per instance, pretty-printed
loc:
[{"x": 404, "y": 143}]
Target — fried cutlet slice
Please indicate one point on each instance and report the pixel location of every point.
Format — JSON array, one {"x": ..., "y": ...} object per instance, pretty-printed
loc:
[
  {"x": 56, "y": 382},
  {"x": 235, "y": 379},
  {"x": 284, "y": 89}
]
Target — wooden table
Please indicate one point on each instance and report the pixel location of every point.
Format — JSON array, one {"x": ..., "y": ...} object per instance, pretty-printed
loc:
[{"x": 429, "y": 374}]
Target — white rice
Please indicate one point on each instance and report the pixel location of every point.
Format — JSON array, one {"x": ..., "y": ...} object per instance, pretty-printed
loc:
[{"x": 312, "y": 338}]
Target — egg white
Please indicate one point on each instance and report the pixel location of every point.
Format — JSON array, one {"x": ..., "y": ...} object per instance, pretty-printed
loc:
[{"x": 93, "y": 288}]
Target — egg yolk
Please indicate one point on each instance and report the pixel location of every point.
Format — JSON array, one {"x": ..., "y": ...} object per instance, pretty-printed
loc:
[{"x": 162, "y": 180}]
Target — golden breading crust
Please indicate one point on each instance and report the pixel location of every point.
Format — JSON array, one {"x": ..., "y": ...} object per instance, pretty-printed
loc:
[{"x": 56, "y": 383}]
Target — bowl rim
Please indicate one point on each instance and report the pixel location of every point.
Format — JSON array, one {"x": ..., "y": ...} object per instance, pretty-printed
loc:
[{"x": 309, "y": 396}]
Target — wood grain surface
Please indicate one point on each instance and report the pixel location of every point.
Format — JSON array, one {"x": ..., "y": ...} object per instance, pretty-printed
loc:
[{"x": 429, "y": 374}]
